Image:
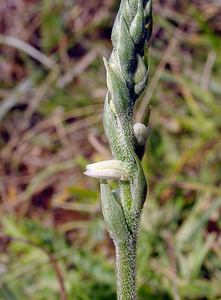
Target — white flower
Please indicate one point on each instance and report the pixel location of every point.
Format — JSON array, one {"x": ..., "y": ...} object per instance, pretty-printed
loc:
[{"x": 108, "y": 169}]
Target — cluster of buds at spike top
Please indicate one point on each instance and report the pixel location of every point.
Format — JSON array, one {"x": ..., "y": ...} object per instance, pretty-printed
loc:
[
  {"x": 109, "y": 169},
  {"x": 127, "y": 76},
  {"x": 132, "y": 27}
]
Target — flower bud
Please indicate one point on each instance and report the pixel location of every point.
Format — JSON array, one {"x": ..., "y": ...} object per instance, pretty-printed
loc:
[
  {"x": 141, "y": 133},
  {"x": 108, "y": 169}
]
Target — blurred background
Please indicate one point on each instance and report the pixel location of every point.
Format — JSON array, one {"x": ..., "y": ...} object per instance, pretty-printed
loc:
[{"x": 53, "y": 243}]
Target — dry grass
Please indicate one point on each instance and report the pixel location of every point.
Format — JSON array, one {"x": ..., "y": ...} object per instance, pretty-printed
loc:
[{"x": 51, "y": 99}]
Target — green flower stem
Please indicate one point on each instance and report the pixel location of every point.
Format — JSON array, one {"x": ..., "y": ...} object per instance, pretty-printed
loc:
[
  {"x": 127, "y": 76},
  {"x": 126, "y": 270}
]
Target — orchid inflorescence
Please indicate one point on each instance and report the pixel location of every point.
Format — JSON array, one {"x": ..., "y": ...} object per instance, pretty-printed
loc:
[{"x": 127, "y": 76}]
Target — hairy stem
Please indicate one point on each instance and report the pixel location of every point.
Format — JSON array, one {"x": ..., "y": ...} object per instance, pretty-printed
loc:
[
  {"x": 126, "y": 270},
  {"x": 127, "y": 76}
]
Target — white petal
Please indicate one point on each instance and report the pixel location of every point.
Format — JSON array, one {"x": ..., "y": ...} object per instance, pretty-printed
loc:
[
  {"x": 104, "y": 174},
  {"x": 106, "y": 164}
]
